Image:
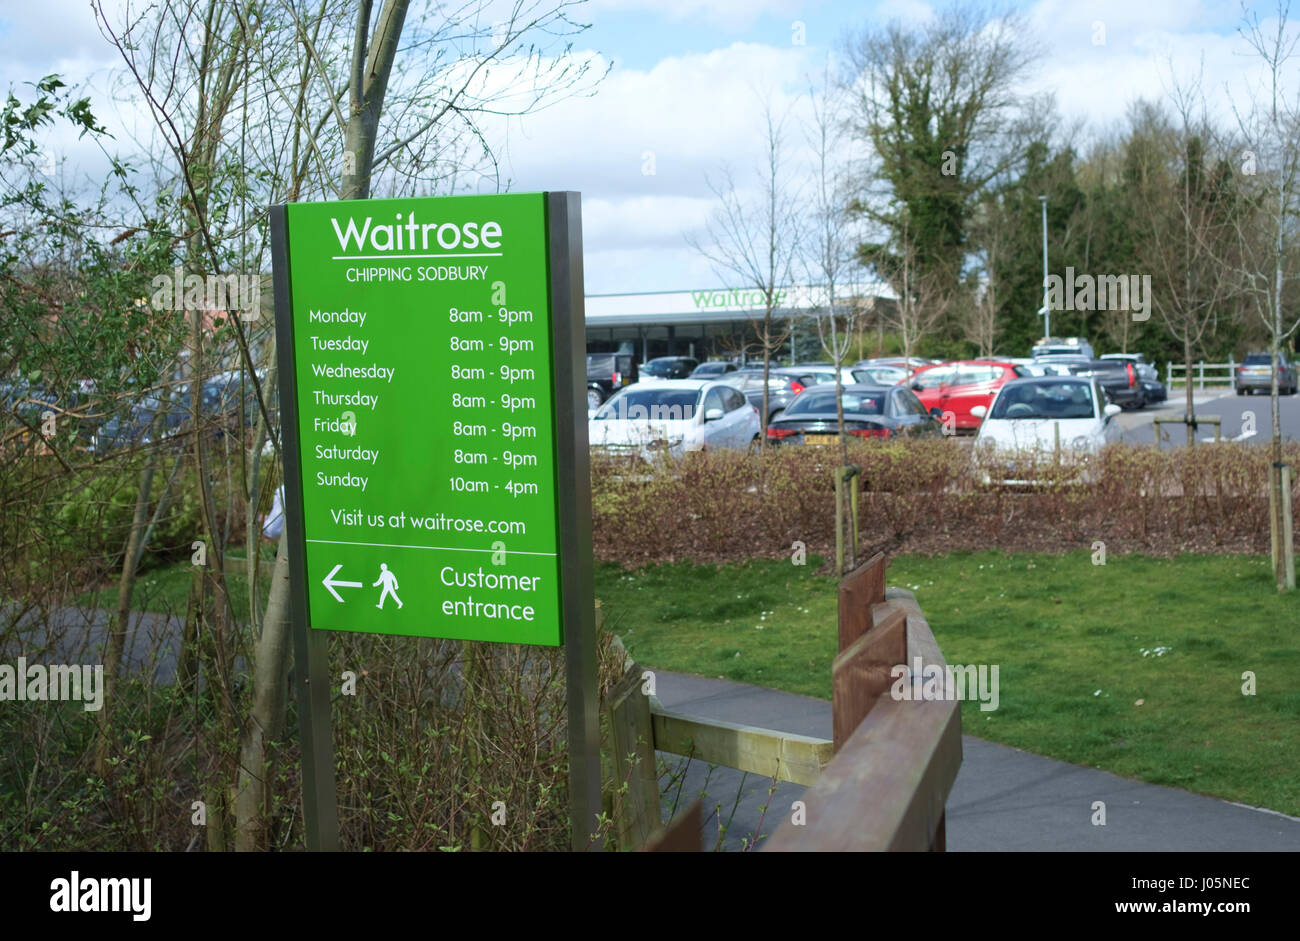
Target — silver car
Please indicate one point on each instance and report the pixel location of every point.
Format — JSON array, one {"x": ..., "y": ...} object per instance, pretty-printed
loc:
[{"x": 1254, "y": 374}]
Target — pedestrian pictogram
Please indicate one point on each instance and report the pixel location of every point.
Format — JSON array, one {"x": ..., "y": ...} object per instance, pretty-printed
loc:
[{"x": 389, "y": 581}]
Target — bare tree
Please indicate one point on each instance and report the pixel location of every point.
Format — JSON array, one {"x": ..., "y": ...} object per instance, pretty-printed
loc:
[
  {"x": 753, "y": 242},
  {"x": 989, "y": 227},
  {"x": 924, "y": 293},
  {"x": 1269, "y": 123},
  {"x": 1188, "y": 239},
  {"x": 830, "y": 244}
]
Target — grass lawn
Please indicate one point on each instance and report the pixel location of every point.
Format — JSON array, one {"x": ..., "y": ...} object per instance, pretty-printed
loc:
[
  {"x": 1077, "y": 646},
  {"x": 166, "y": 590}
]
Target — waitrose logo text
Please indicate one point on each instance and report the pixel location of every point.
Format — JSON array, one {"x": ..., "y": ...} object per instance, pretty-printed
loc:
[
  {"x": 412, "y": 235},
  {"x": 36, "y": 682}
]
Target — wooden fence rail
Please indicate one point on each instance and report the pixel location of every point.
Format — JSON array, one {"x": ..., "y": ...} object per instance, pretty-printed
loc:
[{"x": 882, "y": 783}]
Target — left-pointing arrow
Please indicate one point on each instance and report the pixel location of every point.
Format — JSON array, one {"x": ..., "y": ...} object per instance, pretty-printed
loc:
[{"x": 330, "y": 584}]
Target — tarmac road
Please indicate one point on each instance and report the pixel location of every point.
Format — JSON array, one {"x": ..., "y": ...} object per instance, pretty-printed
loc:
[{"x": 1238, "y": 416}]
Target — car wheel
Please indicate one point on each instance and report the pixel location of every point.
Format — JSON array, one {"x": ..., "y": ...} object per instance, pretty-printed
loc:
[
  {"x": 594, "y": 398},
  {"x": 1241, "y": 391}
]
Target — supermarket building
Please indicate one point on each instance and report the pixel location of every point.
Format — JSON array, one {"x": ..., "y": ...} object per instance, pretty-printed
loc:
[{"x": 706, "y": 324}]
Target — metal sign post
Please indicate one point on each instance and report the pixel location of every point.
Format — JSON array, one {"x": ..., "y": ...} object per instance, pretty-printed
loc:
[{"x": 435, "y": 446}]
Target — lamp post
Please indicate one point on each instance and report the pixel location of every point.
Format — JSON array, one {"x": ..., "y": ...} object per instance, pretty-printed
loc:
[{"x": 1047, "y": 309}]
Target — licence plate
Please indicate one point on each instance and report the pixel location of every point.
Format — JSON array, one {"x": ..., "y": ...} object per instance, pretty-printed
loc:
[{"x": 820, "y": 439}]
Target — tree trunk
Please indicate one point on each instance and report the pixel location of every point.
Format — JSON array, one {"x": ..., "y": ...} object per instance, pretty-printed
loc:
[
  {"x": 372, "y": 63},
  {"x": 122, "y": 615},
  {"x": 368, "y": 85},
  {"x": 767, "y": 368},
  {"x": 266, "y": 719}
]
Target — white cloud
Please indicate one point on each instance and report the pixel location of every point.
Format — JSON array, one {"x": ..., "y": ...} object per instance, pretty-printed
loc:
[
  {"x": 37, "y": 38},
  {"x": 683, "y": 118}
]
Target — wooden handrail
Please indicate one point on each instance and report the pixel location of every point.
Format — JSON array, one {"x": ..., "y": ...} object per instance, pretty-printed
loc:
[
  {"x": 887, "y": 787},
  {"x": 894, "y": 760},
  {"x": 799, "y": 759}
]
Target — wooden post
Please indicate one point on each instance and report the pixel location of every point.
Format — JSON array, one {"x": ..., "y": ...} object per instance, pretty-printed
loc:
[
  {"x": 853, "y": 508},
  {"x": 940, "y": 844},
  {"x": 1287, "y": 535},
  {"x": 631, "y": 749},
  {"x": 683, "y": 834},
  {"x": 859, "y": 590},
  {"x": 862, "y": 671},
  {"x": 839, "y": 522}
]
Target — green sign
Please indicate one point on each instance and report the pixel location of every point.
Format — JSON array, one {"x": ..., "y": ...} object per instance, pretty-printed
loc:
[{"x": 425, "y": 416}]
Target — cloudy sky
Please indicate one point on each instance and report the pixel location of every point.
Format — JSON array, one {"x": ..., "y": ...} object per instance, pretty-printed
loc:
[{"x": 682, "y": 98}]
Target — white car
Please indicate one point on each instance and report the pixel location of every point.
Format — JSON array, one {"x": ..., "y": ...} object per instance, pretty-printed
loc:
[
  {"x": 1040, "y": 421},
  {"x": 672, "y": 417}
]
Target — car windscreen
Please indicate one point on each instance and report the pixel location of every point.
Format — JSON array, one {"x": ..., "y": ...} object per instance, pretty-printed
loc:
[
  {"x": 661, "y": 368},
  {"x": 709, "y": 369},
  {"x": 821, "y": 403},
  {"x": 1053, "y": 400},
  {"x": 651, "y": 405},
  {"x": 1256, "y": 359}
]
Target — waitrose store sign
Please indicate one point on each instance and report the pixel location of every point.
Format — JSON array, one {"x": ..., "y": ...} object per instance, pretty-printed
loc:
[{"x": 422, "y": 446}]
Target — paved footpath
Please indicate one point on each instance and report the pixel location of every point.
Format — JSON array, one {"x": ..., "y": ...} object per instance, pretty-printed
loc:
[{"x": 1003, "y": 799}]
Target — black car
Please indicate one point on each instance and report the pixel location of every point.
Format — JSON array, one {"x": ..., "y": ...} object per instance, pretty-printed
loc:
[
  {"x": 670, "y": 367},
  {"x": 1118, "y": 378},
  {"x": 606, "y": 374},
  {"x": 870, "y": 411},
  {"x": 784, "y": 383}
]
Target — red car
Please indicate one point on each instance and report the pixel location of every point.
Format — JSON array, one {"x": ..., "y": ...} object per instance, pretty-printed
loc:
[{"x": 959, "y": 386}]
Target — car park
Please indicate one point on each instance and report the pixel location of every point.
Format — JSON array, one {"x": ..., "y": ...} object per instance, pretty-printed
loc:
[
  {"x": 880, "y": 374},
  {"x": 909, "y": 362},
  {"x": 668, "y": 367},
  {"x": 713, "y": 369},
  {"x": 1152, "y": 388},
  {"x": 784, "y": 383},
  {"x": 606, "y": 374},
  {"x": 870, "y": 411},
  {"x": 127, "y": 428},
  {"x": 1063, "y": 346},
  {"x": 823, "y": 373},
  {"x": 1118, "y": 378},
  {"x": 673, "y": 417},
  {"x": 958, "y": 387},
  {"x": 1255, "y": 375},
  {"x": 1065, "y": 419}
]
